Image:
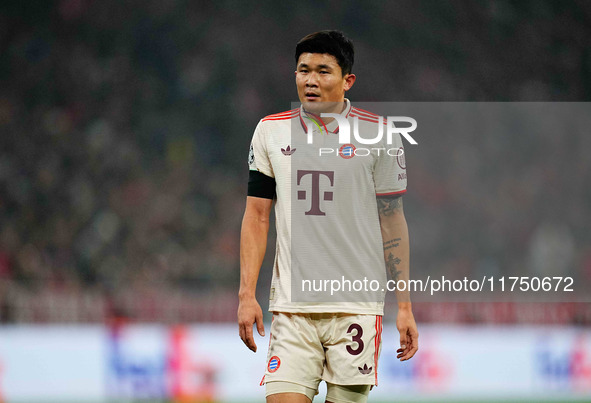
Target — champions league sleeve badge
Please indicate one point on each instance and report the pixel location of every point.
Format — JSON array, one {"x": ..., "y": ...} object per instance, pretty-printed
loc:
[{"x": 251, "y": 157}]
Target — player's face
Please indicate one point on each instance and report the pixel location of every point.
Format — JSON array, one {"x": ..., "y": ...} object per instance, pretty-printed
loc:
[{"x": 320, "y": 82}]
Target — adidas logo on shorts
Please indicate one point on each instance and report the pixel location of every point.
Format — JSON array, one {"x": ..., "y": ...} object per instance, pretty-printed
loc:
[{"x": 365, "y": 370}]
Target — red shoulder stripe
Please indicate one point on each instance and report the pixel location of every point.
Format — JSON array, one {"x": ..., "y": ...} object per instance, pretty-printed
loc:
[
  {"x": 291, "y": 112},
  {"x": 283, "y": 118},
  {"x": 368, "y": 119},
  {"x": 375, "y": 120},
  {"x": 284, "y": 115},
  {"x": 364, "y": 112},
  {"x": 285, "y": 112}
]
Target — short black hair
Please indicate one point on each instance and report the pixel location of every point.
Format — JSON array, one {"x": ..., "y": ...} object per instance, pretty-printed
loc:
[{"x": 334, "y": 43}]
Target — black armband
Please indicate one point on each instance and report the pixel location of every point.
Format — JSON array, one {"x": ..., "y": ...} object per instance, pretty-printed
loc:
[{"x": 261, "y": 185}]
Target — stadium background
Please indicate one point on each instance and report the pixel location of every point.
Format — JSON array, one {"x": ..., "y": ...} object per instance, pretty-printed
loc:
[{"x": 124, "y": 130}]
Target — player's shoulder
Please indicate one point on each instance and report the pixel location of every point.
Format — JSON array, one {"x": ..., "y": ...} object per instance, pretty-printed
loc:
[
  {"x": 282, "y": 116},
  {"x": 365, "y": 116}
]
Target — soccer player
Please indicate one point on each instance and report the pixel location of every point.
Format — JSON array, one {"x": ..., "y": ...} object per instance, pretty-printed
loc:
[{"x": 343, "y": 213}]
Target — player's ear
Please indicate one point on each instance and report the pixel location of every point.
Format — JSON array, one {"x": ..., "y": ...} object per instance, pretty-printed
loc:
[{"x": 349, "y": 81}]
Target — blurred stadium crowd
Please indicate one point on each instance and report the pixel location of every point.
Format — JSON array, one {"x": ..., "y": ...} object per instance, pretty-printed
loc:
[{"x": 124, "y": 130}]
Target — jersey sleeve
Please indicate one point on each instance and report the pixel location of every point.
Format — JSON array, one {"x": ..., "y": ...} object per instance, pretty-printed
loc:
[
  {"x": 390, "y": 169},
  {"x": 258, "y": 157}
]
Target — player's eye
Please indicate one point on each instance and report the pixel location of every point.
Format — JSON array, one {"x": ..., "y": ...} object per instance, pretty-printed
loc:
[{"x": 324, "y": 72}]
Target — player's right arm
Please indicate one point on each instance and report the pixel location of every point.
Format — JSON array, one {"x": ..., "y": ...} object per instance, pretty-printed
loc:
[
  {"x": 253, "y": 236},
  {"x": 253, "y": 244}
]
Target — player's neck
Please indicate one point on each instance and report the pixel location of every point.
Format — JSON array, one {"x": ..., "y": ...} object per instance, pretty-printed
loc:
[{"x": 338, "y": 107}]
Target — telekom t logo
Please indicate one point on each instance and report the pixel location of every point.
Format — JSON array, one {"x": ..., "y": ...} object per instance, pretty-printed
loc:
[{"x": 327, "y": 196}]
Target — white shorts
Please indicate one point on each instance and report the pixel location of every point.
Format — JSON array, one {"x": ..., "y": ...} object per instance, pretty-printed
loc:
[{"x": 342, "y": 349}]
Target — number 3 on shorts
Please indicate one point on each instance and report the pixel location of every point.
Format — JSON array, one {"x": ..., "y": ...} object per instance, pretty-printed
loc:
[{"x": 355, "y": 338}]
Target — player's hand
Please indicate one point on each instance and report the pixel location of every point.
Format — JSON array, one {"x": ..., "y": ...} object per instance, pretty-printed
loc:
[
  {"x": 409, "y": 335},
  {"x": 249, "y": 313}
]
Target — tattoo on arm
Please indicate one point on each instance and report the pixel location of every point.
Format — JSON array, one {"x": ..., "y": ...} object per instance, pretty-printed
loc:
[
  {"x": 391, "y": 266},
  {"x": 392, "y": 243},
  {"x": 389, "y": 205}
]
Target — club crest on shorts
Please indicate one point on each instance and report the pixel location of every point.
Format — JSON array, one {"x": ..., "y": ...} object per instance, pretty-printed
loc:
[{"x": 274, "y": 363}]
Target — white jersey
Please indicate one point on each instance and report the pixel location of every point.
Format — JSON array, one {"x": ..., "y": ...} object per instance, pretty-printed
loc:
[{"x": 328, "y": 232}]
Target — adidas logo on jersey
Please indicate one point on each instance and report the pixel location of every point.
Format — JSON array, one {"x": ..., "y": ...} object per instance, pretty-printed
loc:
[
  {"x": 288, "y": 150},
  {"x": 365, "y": 370}
]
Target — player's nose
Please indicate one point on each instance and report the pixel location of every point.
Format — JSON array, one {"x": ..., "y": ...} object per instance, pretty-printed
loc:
[{"x": 312, "y": 80}]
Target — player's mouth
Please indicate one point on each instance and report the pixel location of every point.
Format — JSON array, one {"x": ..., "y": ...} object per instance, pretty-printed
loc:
[{"x": 311, "y": 96}]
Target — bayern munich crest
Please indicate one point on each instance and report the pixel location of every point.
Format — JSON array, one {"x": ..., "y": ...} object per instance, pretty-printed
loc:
[
  {"x": 274, "y": 363},
  {"x": 347, "y": 151}
]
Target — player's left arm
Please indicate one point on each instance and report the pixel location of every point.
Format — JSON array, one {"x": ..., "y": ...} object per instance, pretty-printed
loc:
[{"x": 397, "y": 257}]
